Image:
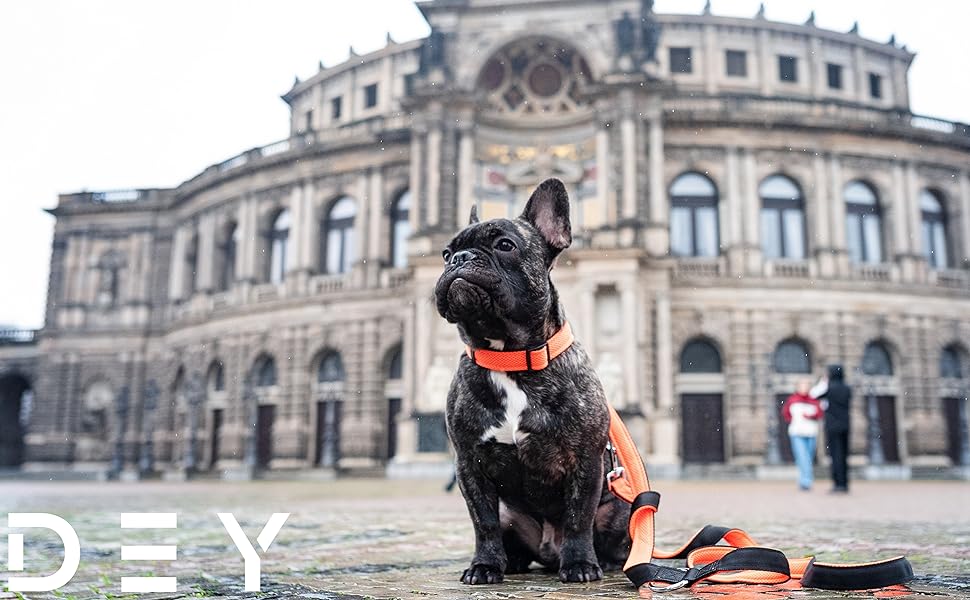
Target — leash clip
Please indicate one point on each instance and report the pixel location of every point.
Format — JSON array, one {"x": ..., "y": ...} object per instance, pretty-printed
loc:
[
  {"x": 617, "y": 470},
  {"x": 660, "y": 589}
]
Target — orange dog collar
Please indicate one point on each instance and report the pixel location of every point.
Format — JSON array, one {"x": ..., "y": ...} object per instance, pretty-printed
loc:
[{"x": 524, "y": 360}]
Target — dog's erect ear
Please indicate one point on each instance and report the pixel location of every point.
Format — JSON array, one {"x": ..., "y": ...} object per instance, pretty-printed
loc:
[
  {"x": 548, "y": 211},
  {"x": 473, "y": 216}
]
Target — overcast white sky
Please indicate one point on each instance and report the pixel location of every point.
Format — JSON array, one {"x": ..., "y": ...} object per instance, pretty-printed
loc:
[{"x": 110, "y": 94}]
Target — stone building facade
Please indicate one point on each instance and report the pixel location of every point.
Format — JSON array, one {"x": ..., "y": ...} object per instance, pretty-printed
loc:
[{"x": 752, "y": 201}]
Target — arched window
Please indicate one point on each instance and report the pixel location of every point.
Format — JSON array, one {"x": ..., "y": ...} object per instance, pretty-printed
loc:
[
  {"x": 863, "y": 223},
  {"x": 876, "y": 360},
  {"x": 693, "y": 216},
  {"x": 338, "y": 234},
  {"x": 934, "y": 229},
  {"x": 279, "y": 237},
  {"x": 400, "y": 230},
  {"x": 792, "y": 356},
  {"x": 330, "y": 369},
  {"x": 782, "y": 218},
  {"x": 216, "y": 377},
  {"x": 265, "y": 371},
  {"x": 229, "y": 248},
  {"x": 395, "y": 365},
  {"x": 951, "y": 362},
  {"x": 700, "y": 356}
]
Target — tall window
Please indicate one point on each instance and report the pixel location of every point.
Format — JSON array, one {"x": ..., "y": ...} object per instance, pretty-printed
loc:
[
  {"x": 229, "y": 248},
  {"x": 792, "y": 356},
  {"x": 216, "y": 376},
  {"x": 951, "y": 362},
  {"x": 279, "y": 237},
  {"x": 863, "y": 223},
  {"x": 787, "y": 68},
  {"x": 700, "y": 356},
  {"x": 335, "y": 108},
  {"x": 265, "y": 371},
  {"x": 834, "y": 73},
  {"x": 736, "y": 63},
  {"x": 934, "y": 229},
  {"x": 338, "y": 235},
  {"x": 876, "y": 360},
  {"x": 370, "y": 95},
  {"x": 680, "y": 60},
  {"x": 395, "y": 364},
  {"x": 782, "y": 218},
  {"x": 330, "y": 369},
  {"x": 875, "y": 85},
  {"x": 400, "y": 230},
  {"x": 693, "y": 216}
]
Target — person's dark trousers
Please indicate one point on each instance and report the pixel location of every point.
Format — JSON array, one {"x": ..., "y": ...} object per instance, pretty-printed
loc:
[{"x": 838, "y": 443}]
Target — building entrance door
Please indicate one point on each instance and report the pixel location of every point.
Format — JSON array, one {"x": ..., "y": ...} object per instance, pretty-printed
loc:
[
  {"x": 393, "y": 410},
  {"x": 702, "y": 428},
  {"x": 953, "y": 423},
  {"x": 264, "y": 435},
  {"x": 214, "y": 440},
  {"x": 888, "y": 437}
]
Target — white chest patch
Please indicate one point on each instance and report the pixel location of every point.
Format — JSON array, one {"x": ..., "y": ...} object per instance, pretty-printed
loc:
[{"x": 515, "y": 402}]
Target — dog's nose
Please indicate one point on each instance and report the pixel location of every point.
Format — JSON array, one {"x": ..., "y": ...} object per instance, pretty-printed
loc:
[{"x": 461, "y": 257}]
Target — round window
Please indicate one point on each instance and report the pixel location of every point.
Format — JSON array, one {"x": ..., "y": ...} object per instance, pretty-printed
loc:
[{"x": 545, "y": 80}]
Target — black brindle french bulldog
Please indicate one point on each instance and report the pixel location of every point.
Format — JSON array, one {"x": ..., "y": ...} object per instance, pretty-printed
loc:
[{"x": 530, "y": 445}]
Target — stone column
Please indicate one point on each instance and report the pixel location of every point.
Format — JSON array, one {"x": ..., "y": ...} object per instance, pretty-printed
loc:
[
  {"x": 822, "y": 203},
  {"x": 861, "y": 75},
  {"x": 360, "y": 223},
  {"x": 666, "y": 450},
  {"x": 751, "y": 208},
  {"x": 297, "y": 224},
  {"x": 731, "y": 216},
  {"x": 586, "y": 327},
  {"x": 416, "y": 178},
  {"x": 628, "y": 306},
  {"x": 710, "y": 60},
  {"x": 659, "y": 235},
  {"x": 898, "y": 214},
  {"x": 307, "y": 231},
  {"x": 205, "y": 280},
  {"x": 176, "y": 274},
  {"x": 914, "y": 217},
  {"x": 837, "y": 208},
  {"x": 433, "y": 174},
  {"x": 603, "y": 182},
  {"x": 466, "y": 172},
  {"x": 965, "y": 215},
  {"x": 377, "y": 246},
  {"x": 765, "y": 63},
  {"x": 628, "y": 140}
]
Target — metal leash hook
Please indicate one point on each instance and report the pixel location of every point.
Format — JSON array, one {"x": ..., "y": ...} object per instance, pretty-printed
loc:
[
  {"x": 616, "y": 470},
  {"x": 660, "y": 589}
]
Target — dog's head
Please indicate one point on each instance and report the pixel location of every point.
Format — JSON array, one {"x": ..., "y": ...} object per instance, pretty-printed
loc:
[{"x": 495, "y": 285}]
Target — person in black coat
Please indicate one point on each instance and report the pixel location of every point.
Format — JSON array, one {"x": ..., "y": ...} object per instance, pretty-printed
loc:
[{"x": 837, "y": 396}]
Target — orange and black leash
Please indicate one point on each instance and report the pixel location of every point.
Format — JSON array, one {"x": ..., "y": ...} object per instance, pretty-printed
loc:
[{"x": 739, "y": 559}]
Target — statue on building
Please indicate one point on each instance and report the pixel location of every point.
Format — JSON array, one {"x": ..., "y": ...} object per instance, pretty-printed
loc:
[
  {"x": 626, "y": 36},
  {"x": 649, "y": 31},
  {"x": 432, "y": 51}
]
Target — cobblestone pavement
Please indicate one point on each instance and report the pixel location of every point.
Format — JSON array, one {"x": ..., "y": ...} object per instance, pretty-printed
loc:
[{"x": 405, "y": 539}]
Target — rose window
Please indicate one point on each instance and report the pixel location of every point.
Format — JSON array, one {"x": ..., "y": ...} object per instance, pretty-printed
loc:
[{"x": 534, "y": 76}]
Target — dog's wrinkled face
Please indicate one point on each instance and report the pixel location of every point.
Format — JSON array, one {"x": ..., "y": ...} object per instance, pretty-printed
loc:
[{"x": 495, "y": 284}]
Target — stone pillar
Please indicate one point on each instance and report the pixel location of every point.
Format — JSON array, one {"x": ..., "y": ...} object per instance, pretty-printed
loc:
[
  {"x": 914, "y": 217},
  {"x": 603, "y": 182},
  {"x": 965, "y": 216},
  {"x": 297, "y": 224},
  {"x": 176, "y": 274},
  {"x": 628, "y": 306},
  {"x": 823, "y": 240},
  {"x": 658, "y": 235},
  {"x": 710, "y": 60},
  {"x": 586, "y": 327},
  {"x": 766, "y": 63},
  {"x": 307, "y": 230},
  {"x": 363, "y": 215},
  {"x": 466, "y": 172},
  {"x": 666, "y": 449},
  {"x": 836, "y": 206},
  {"x": 861, "y": 75},
  {"x": 378, "y": 246},
  {"x": 751, "y": 208},
  {"x": 416, "y": 178},
  {"x": 628, "y": 140},
  {"x": 205, "y": 280},
  {"x": 731, "y": 215},
  {"x": 433, "y": 174},
  {"x": 898, "y": 214}
]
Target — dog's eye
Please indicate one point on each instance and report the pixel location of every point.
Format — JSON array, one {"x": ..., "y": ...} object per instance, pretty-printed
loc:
[
  {"x": 446, "y": 254},
  {"x": 504, "y": 245}
]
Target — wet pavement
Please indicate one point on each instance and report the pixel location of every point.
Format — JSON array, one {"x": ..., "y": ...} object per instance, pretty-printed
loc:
[{"x": 406, "y": 539}]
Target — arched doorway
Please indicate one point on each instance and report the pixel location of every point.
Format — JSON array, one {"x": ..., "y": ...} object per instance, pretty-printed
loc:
[
  {"x": 955, "y": 387},
  {"x": 791, "y": 362},
  {"x": 880, "y": 404},
  {"x": 700, "y": 384},
  {"x": 265, "y": 377},
  {"x": 15, "y": 401},
  {"x": 393, "y": 392}
]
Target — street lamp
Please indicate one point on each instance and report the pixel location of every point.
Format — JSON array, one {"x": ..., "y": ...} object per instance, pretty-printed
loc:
[{"x": 146, "y": 462}]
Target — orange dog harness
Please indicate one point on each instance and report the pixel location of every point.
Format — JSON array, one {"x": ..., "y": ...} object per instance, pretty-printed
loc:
[{"x": 738, "y": 560}]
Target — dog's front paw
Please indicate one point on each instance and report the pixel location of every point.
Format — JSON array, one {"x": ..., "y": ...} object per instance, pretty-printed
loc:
[
  {"x": 580, "y": 572},
  {"x": 476, "y": 574}
]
